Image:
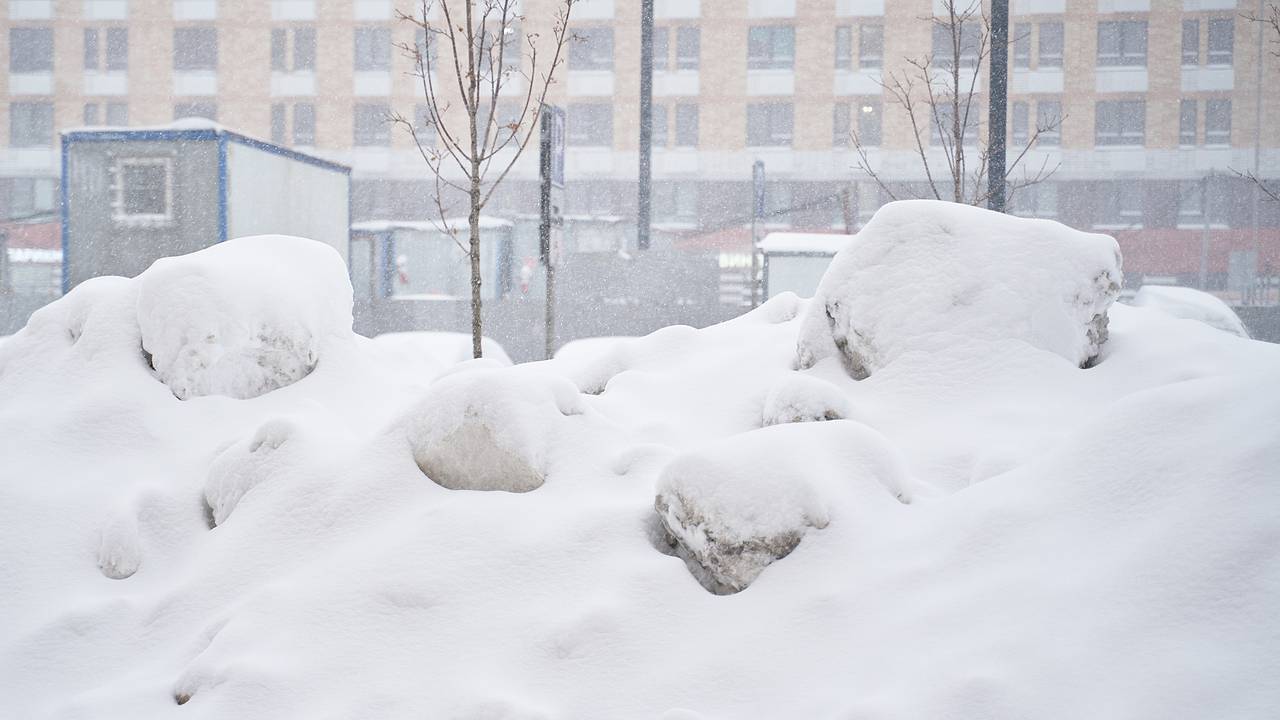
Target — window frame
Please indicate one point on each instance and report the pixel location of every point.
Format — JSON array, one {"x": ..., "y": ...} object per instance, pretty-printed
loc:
[{"x": 119, "y": 215}]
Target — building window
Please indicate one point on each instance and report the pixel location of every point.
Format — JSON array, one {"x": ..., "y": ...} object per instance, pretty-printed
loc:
[
  {"x": 589, "y": 125},
  {"x": 1049, "y": 123},
  {"x": 92, "y": 50},
  {"x": 1201, "y": 202},
  {"x": 1039, "y": 200},
  {"x": 688, "y": 48},
  {"x": 1118, "y": 204},
  {"x": 1050, "y": 44},
  {"x": 1217, "y": 122},
  {"x": 277, "y": 124},
  {"x": 840, "y": 127},
  {"x": 771, "y": 47},
  {"x": 1122, "y": 42},
  {"x": 117, "y": 114},
  {"x": 372, "y": 48},
  {"x": 591, "y": 48},
  {"x": 769, "y": 124},
  {"x": 1187, "y": 122},
  {"x": 143, "y": 191},
  {"x": 658, "y": 126},
  {"x": 1019, "y": 124},
  {"x": 661, "y": 49},
  {"x": 1120, "y": 122},
  {"x": 304, "y": 124},
  {"x": 206, "y": 110},
  {"x": 943, "y": 123},
  {"x": 870, "y": 46},
  {"x": 1221, "y": 41},
  {"x": 304, "y": 49},
  {"x": 686, "y": 125},
  {"x": 91, "y": 114},
  {"x": 30, "y": 50},
  {"x": 869, "y": 121},
  {"x": 944, "y": 45},
  {"x": 1022, "y": 46},
  {"x": 844, "y": 47},
  {"x": 1190, "y": 42},
  {"x": 195, "y": 48},
  {"x": 424, "y": 126},
  {"x": 30, "y": 125},
  {"x": 371, "y": 125}
]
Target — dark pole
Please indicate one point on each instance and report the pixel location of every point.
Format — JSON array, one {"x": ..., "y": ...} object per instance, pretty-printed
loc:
[
  {"x": 998, "y": 101},
  {"x": 646, "y": 123},
  {"x": 544, "y": 227}
]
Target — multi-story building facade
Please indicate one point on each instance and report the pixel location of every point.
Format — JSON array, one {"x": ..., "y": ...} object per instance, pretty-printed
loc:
[{"x": 1160, "y": 103}]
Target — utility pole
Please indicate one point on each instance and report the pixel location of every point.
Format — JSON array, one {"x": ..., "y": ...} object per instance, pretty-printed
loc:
[
  {"x": 997, "y": 104},
  {"x": 1204, "y": 230},
  {"x": 757, "y": 214},
  {"x": 646, "y": 124}
]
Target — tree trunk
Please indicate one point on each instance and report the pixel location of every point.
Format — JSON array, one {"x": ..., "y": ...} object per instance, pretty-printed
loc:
[{"x": 473, "y": 218}]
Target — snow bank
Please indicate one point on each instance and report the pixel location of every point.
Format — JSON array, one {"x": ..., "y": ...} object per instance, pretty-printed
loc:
[
  {"x": 1191, "y": 304},
  {"x": 923, "y": 274},
  {"x": 244, "y": 317},
  {"x": 484, "y": 429},
  {"x": 743, "y": 503}
]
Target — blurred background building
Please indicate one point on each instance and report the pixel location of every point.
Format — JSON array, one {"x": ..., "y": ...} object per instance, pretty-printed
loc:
[{"x": 1159, "y": 100}]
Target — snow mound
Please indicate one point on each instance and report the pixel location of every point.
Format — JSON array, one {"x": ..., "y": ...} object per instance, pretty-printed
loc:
[
  {"x": 743, "y": 503},
  {"x": 1191, "y": 304},
  {"x": 924, "y": 273},
  {"x": 803, "y": 398},
  {"x": 490, "y": 428},
  {"x": 244, "y": 317},
  {"x": 246, "y": 464}
]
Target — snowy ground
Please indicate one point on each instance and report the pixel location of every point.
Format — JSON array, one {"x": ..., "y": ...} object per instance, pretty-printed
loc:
[{"x": 982, "y": 529}]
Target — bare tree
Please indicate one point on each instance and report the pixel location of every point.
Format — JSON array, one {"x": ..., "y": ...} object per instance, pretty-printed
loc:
[
  {"x": 939, "y": 94},
  {"x": 469, "y": 143},
  {"x": 1270, "y": 20}
]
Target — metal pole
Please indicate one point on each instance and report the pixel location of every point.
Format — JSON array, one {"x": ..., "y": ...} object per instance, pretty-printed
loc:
[
  {"x": 646, "y": 123},
  {"x": 1204, "y": 232},
  {"x": 997, "y": 104},
  {"x": 1257, "y": 161},
  {"x": 757, "y": 213}
]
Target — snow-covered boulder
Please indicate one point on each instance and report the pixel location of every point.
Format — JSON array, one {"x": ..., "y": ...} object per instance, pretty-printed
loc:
[
  {"x": 803, "y": 398},
  {"x": 924, "y": 273},
  {"x": 1191, "y": 304},
  {"x": 244, "y": 317},
  {"x": 490, "y": 428},
  {"x": 246, "y": 464},
  {"x": 744, "y": 502}
]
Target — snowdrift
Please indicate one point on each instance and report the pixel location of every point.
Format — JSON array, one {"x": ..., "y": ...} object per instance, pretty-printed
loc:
[
  {"x": 1191, "y": 304},
  {"x": 922, "y": 273},
  {"x": 983, "y": 529}
]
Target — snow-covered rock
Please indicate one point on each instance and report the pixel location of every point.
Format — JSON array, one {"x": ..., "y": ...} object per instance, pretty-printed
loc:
[
  {"x": 119, "y": 547},
  {"x": 244, "y": 317},
  {"x": 923, "y": 274},
  {"x": 745, "y": 502},
  {"x": 798, "y": 397},
  {"x": 244, "y": 465},
  {"x": 486, "y": 429},
  {"x": 1191, "y": 304}
]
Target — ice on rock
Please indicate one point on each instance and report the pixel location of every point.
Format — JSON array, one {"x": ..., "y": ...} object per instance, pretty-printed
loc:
[
  {"x": 244, "y": 317},
  {"x": 803, "y": 398},
  {"x": 744, "y": 502},
  {"x": 490, "y": 428},
  {"x": 243, "y": 466},
  {"x": 119, "y": 547},
  {"x": 923, "y": 274}
]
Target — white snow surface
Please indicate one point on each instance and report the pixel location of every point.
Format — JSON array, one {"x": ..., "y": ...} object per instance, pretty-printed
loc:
[
  {"x": 923, "y": 273},
  {"x": 1191, "y": 304},
  {"x": 792, "y": 242},
  {"x": 1075, "y": 543}
]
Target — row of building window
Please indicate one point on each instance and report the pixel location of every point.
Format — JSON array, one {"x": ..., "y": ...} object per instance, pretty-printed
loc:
[
  {"x": 1120, "y": 43},
  {"x": 769, "y": 124}
]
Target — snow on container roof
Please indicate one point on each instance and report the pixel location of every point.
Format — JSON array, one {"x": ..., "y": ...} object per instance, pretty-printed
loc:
[
  {"x": 487, "y": 222},
  {"x": 192, "y": 128},
  {"x": 809, "y": 243}
]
